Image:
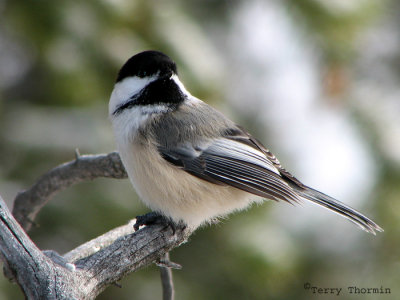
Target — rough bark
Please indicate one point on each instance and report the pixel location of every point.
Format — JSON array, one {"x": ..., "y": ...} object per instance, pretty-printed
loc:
[
  {"x": 86, "y": 167},
  {"x": 87, "y": 270}
]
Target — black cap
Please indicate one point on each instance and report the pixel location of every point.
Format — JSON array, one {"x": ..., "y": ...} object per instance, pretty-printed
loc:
[{"x": 146, "y": 64}]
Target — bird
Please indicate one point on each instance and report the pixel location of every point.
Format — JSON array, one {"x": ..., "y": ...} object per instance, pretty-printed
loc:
[{"x": 187, "y": 161}]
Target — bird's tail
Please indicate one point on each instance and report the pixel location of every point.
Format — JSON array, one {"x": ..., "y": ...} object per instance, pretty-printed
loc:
[{"x": 340, "y": 208}]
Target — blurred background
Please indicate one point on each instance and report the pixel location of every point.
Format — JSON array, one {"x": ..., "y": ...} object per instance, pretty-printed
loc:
[{"x": 316, "y": 81}]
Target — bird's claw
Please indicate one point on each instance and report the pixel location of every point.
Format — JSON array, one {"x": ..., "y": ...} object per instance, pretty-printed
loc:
[{"x": 154, "y": 218}]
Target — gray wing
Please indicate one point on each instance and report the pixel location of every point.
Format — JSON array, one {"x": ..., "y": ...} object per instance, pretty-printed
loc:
[
  {"x": 234, "y": 161},
  {"x": 239, "y": 160}
]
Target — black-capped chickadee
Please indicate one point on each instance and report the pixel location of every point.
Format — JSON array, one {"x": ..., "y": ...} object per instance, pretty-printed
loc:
[{"x": 186, "y": 160}]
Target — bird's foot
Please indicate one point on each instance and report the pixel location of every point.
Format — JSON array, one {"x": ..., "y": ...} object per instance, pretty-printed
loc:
[{"x": 155, "y": 218}]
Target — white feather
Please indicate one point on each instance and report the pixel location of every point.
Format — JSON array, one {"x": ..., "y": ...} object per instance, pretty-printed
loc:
[
  {"x": 127, "y": 88},
  {"x": 127, "y": 123},
  {"x": 174, "y": 192},
  {"x": 229, "y": 148},
  {"x": 175, "y": 78}
]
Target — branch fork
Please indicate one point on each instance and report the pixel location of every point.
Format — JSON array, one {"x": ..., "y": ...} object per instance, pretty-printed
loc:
[{"x": 84, "y": 272}]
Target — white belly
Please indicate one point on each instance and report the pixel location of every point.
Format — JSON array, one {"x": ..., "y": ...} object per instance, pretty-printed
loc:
[{"x": 174, "y": 192}]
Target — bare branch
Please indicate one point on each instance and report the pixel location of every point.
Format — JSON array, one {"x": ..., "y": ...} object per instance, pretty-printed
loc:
[
  {"x": 47, "y": 277},
  {"x": 100, "y": 242},
  {"x": 166, "y": 280},
  {"x": 28, "y": 203},
  {"x": 129, "y": 253},
  {"x": 30, "y": 268},
  {"x": 86, "y": 271}
]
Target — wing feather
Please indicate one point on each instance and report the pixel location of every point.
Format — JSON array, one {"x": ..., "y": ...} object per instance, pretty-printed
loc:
[
  {"x": 232, "y": 162},
  {"x": 239, "y": 160},
  {"x": 263, "y": 182}
]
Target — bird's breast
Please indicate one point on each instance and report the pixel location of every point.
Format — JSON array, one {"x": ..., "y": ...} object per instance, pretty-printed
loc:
[{"x": 172, "y": 191}]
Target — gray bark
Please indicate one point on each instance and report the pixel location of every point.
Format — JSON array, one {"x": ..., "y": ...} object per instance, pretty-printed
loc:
[
  {"x": 86, "y": 271},
  {"x": 86, "y": 167}
]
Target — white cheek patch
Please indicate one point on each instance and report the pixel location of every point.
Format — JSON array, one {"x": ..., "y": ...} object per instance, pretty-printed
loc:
[
  {"x": 180, "y": 85},
  {"x": 126, "y": 89},
  {"x": 127, "y": 124},
  {"x": 190, "y": 99}
]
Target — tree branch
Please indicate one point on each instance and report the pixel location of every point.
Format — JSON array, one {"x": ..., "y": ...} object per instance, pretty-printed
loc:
[
  {"x": 166, "y": 280},
  {"x": 28, "y": 203},
  {"x": 86, "y": 271},
  {"x": 99, "y": 242},
  {"x": 43, "y": 276},
  {"x": 129, "y": 253},
  {"x": 30, "y": 268}
]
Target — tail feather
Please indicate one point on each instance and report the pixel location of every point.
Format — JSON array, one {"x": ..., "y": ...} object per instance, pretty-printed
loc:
[{"x": 340, "y": 208}]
